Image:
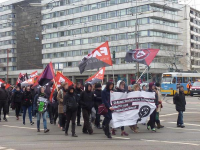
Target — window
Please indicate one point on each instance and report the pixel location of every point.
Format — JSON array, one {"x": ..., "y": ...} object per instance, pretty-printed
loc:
[
  {"x": 94, "y": 29},
  {"x": 111, "y": 26},
  {"x": 55, "y": 45},
  {"x": 76, "y": 53},
  {"x": 122, "y": 12},
  {"x": 84, "y": 19},
  {"x": 103, "y": 4},
  {"x": 102, "y": 16},
  {"x": 69, "y": 64},
  {"x": 94, "y": 6},
  {"x": 113, "y": 37},
  {"x": 122, "y": 24},
  {"x": 84, "y": 8},
  {"x": 77, "y": 20},
  {"x": 131, "y": 23},
  {"x": 122, "y": 36},
  {"x": 69, "y": 43},
  {"x": 131, "y": 35},
  {"x": 94, "y": 40},
  {"x": 62, "y": 44},
  {"x": 112, "y": 2},
  {"x": 111, "y": 14},
  {"x": 93, "y": 18},
  {"x": 55, "y": 25},
  {"x": 77, "y": 42},
  {"x": 62, "y": 33},
  {"x": 85, "y": 41},
  {"x": 47, "y": 45},
  {"x": 62, "y": 13},
  {"x": 102, "y": 27}
]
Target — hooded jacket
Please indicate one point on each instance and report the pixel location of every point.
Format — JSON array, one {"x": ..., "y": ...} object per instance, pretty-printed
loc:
[
  {"x": 106, "y": 99},
  {"x": 70, "y": 101},
  {"x": 97, "y": 97},
  {"x": 87, "y": 98},
  {"x": 17, "y": 97},
  {"x": 27, "y": 98},
  {"x": 180, "y": 102},
  {"x": 4, "y": 96}
]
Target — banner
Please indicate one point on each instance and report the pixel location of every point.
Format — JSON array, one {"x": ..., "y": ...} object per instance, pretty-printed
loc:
[
  {"x": 7, "y": 85},
  {"x": 33, "y": 74},
  {"x": 22, "y": 78},
  {"x": 98, "y": 77},
  {"x": 131, "y": 108},
  {"x": 100, "y": 57},
  {"x": 28, "y": 82},
  {"x": 143, "y": 56}
]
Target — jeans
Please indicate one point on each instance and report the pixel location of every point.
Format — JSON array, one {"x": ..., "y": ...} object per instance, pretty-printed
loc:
[
  {"x": 29, "y": 113},
  {"x": 180, "y": 118},
  {"x": 3, "y": 104},
  {"x": 44, "y": 116},
  {"x": 106, "y": 123},
  {"x": 70, "y": 116},
  {"x": 87, "y": 124},
  {"x": 152, "y": 120}
]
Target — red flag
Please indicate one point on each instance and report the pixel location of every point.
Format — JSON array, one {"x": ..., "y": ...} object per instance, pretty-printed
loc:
[
  {"x": 100, "y": 57},
  {"x": 33, "y": 74},
  {"x": 47, "y": 75},
  {"x": 143, "y": 56},
  {"x": 60, "y": 78},
  {"x": 7, "y": 85},
  {"x": 98, "y": 77},
  {"x": 18, "y": 80}
]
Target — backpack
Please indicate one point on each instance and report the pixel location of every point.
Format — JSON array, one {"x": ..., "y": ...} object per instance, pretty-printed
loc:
[{"x": 42, "y": 104}]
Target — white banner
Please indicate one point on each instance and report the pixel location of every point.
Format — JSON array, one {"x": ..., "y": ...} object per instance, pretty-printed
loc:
[{"x": 131, "y": 108}]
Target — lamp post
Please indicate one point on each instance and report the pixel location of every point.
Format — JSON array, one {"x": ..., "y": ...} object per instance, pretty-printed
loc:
[{"x": 7, "y": 64}]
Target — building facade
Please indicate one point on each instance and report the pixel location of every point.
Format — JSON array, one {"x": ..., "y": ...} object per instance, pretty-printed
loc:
[
  {"x": 191, "y": 35},
  {"x": 20, "y": 38},
  {"x": 73, "y": 28}
]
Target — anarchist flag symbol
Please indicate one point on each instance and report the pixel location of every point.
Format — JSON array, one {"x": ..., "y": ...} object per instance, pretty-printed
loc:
[{"x": 144, "y": 112}]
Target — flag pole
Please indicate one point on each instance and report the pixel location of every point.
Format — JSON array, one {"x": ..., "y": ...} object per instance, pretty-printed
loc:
[
  {"x": 142, "y": 74},
  {"x": 113, "y": 75}
]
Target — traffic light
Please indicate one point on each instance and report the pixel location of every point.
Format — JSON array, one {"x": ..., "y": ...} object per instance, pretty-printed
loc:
[{"x": 113, "y": 54}]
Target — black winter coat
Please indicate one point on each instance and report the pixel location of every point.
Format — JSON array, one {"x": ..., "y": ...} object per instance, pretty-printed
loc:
[
  {"x": 17, "y": 97},
  {"x": 87, "y": 100},
  {"x": 179, "y": 101},
  {"x": 78, "y": 94},
  {"x": 4, "y": 96},
  {"x": 27, "y": 99},
  {"x": 70, "y": 103},
  {"x": 97, "y": 98}
]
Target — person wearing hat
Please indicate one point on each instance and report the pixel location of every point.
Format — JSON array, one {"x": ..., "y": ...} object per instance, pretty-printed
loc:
[
  {"x": 97, "y": 102},
  {"x": 158, "y": 109}
]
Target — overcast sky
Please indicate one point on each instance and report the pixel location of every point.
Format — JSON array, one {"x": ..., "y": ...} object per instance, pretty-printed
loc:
[{"x": 193, "y": 3}]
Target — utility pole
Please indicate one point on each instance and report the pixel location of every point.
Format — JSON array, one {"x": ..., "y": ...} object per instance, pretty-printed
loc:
[
  {"x": 136, "y": 41},
  {"x": 7, "y": 64}
]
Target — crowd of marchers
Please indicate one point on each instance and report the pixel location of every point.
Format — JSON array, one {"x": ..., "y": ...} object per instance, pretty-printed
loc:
[{"x": 71, "y": 102}]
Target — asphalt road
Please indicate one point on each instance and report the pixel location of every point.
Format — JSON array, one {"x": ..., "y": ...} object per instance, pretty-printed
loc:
[{"x": 16, "y": 136}]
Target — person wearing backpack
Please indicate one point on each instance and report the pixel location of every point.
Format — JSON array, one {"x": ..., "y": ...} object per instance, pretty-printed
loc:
[
  {"x": 60, "y": 98},
  {"x": 180, "y": 102},
  {"x": 41, "y": 103},
  {"x": 87, "y": 102},
  {"x": 27, "y": 101},
  {"x": 70, "y": 110},
  {"x": 17, "y": 99}
]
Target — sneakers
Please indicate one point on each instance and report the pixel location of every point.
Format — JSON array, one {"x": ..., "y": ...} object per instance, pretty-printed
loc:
[
  {"x": 99, "y": 127},
  {"x": 32, "y": 123},
  {"x": 5, "y": 119},
  {"x": 23, "y": 123},
  {"x": 153, "y": 130},
  {"x": 74, "y": 135},
  {"x": 78, "y": 124},
  {"x": 17, "y": 118},
  {"x": 46, "y": 130},
  {"x": 124, "y": 133},
  {"x": 109, "y": 136},
  {"x": 85, "y": 132},
  {"x": 38, "y": 130},
  {"x": 113, "y": 132},
  {"x": 181, "y": 125},
  {"x": 149, "y": 127}
]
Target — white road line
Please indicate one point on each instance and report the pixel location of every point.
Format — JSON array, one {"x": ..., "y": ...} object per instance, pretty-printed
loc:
[
  {"x": 2, "y": 147},
  {"x": 181, "y": 143},
  {"x": 189, "y": 124},
  {"x": 21, "y": 127},
  {"x": 120, "y": 138},
  {"x": 10, "y": 149},
  {"x": 183, "y": 129},
  {"x": 177, "y": 114}
]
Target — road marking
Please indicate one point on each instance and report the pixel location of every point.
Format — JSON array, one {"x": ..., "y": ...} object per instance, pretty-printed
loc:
[
  {"x": 20, "y": 127},
  {"x": 181, "y": 143},
  {"x": 183, "y": 129},
  {"x": 120, "y": 138},
  {"x": 197, "y": 125},
  {"x": 177, "y": 114},
  {"x": 2, "y": 147},
  {"x": 10, "y": 149}
]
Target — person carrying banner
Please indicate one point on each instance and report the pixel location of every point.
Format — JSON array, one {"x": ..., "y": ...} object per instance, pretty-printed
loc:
[
  {"x": 27, "y": 101},
  {"x": 97, "y": 102},
  {"x": 152, "y": 121},
  {"x": 120, "y": 88},
  {"x": 180, "y": 102},
  {"x": 60, "y": 97},
  {"x": 158, "y": 110},
  {"x": 41, "y": 103},
  {"x": 17, "y": 99},
  {"x": 106, "y": 101},
  {"x": 4, "y": 96},
  {"x": 87, "y": 102},
  {"x": 78, "y": 92},
  {"x": 70, "y": 110}
]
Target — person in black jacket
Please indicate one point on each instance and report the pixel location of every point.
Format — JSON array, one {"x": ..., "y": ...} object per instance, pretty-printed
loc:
[
  {"x": 152, "y": 121},
  {"x": 180, "y": 102},
  {"x": 55, "y": 106},
  {"x": 4, "y": 96},
  {"x": 97, "y": 102},
  {"x": 106, "y": 101},
  {"x": 87, "y": 102},
  {"x": 27, "y": 101},
  {"x": 78, "y": 92},
  {"x": 17, "y": 99},
  {"x": 70, "y": 110}
]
